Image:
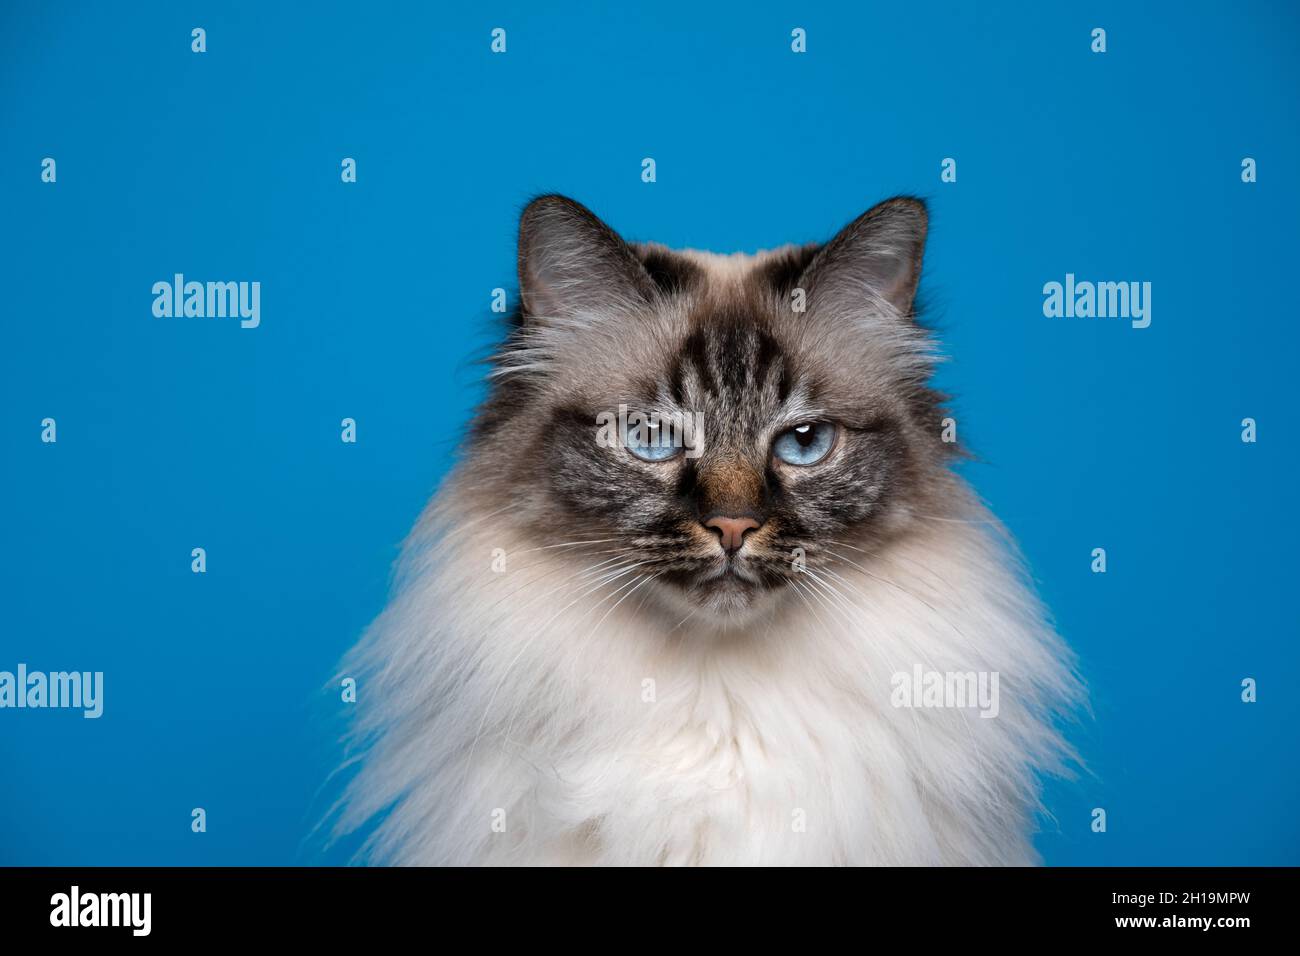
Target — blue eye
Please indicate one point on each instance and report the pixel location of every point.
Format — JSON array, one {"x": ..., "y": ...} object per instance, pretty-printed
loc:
[
  {"x": 650, "y": 444},
  {"x": 805, "y": 444}
]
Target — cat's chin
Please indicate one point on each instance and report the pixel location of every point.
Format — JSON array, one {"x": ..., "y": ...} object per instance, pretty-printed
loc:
[
  {"x": 730, "y": 600},
  {"x": 727, "y": 595}
]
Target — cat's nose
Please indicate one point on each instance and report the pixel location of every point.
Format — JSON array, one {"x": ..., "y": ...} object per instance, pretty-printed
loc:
[{"x": 731, "y": 530}]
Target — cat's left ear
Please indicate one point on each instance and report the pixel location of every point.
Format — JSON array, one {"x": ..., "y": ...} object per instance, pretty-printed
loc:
[
  {"x": 572, "y": 265},
  {"x": 876, "y": 259}
]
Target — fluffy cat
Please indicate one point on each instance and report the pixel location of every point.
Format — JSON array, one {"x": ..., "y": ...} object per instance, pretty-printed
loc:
[{"x": 648, "y": 651}]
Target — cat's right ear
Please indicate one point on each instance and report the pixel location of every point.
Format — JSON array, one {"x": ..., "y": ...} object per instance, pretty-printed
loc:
[
  {"x": 874, "y": 261},
  {"x": 572, "y": 265}
]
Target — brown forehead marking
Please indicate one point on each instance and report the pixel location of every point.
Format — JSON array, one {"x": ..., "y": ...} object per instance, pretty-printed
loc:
[{"x": 730, "y": 349}]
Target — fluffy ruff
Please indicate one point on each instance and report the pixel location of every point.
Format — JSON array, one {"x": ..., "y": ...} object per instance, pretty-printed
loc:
[{"x": 564, "y": 709}]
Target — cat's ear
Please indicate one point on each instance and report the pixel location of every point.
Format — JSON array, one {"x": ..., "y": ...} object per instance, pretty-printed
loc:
[
  {"x": 873, "y": 260},
  {"x": 572, "y": 264}
]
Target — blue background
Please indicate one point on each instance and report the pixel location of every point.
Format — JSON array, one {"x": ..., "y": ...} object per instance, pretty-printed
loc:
[{"x": 183, "y": 433}]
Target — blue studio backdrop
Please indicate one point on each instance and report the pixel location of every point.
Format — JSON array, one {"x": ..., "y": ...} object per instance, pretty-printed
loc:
[{"x": 228, "y": 164}]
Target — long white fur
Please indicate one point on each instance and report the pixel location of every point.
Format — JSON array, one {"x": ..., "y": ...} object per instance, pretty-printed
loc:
[{"x": 506, "y": 718}]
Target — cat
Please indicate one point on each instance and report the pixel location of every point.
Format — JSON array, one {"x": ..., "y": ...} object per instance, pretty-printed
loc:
[{"x": 616, "y": 652}]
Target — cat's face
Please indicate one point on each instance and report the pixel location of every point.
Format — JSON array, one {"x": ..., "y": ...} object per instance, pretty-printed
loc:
[{"x": 719, "y": 425}]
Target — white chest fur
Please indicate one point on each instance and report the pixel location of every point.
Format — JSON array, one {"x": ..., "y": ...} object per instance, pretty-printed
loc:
[{"x": 526, "y": 716}]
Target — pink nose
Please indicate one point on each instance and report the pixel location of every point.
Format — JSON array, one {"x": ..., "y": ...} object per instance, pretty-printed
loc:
[{"x": 731, "y": 530}]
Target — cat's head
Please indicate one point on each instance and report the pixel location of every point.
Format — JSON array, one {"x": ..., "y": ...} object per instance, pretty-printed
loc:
[{"x": 713, "y": 425}]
